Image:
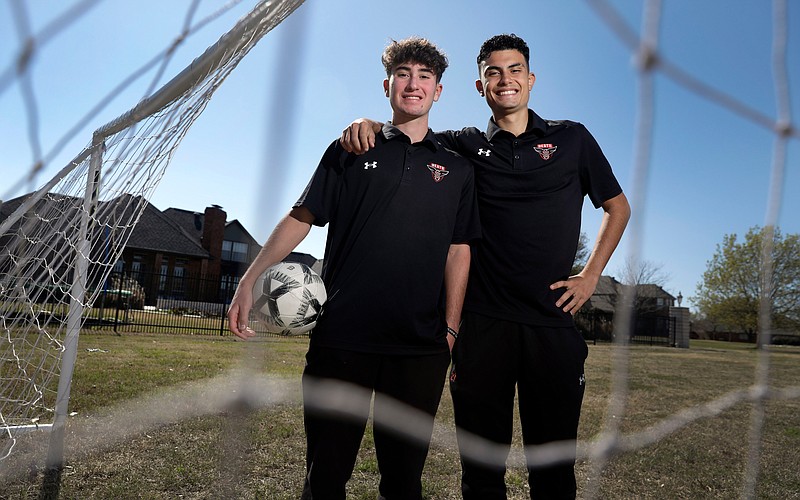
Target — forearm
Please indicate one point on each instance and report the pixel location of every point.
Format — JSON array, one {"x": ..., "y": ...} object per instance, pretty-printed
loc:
[
  {"x": 456, "y": 275},
  {"x": 288, "y": 233},
  {"x": 615, "y": 219}
]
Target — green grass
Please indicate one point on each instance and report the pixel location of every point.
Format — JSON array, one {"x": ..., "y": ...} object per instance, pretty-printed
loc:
[{"x": 260, "y": 454}]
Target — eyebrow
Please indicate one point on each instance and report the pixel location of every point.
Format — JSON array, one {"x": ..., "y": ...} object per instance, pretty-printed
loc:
[
  {"x": 408, "y": 68},
  {"x": 515, "y": 65}
]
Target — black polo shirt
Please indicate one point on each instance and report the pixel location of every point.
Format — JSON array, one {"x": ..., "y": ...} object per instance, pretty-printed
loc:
[
  {"x": 530, "y": 194},
  {"x": 392, "y": 213}
]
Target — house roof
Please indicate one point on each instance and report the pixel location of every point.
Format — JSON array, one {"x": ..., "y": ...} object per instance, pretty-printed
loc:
[
  {"x": 653, "y": 291},
  {"x": 190, "y": 221},
  {"x": 159, "y": 232},
  {"x": 237, "y": 224},
  {"x": 605, "y": 294},
  {"x": 608, "y": 289}
]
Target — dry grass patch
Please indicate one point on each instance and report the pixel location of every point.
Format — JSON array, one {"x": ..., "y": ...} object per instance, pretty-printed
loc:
[{"x": 184, "y": 439}]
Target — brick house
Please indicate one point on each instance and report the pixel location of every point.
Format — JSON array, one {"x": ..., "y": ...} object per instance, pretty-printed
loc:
[
  {"x": 187, "y": 255},
  {"x": 163, "y": 252},
  {"x": 190, "y": 255}
]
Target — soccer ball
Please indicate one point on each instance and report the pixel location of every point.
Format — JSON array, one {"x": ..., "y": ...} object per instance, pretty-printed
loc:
[{"x": 291, "y": 300}]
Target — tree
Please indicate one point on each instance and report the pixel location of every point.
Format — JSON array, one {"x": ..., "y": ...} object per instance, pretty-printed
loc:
[
  {"x": 737, "y": 277},
  {"x": 642, "y": 272},
  {"x": 638, "y": 273},
  {"x": 582, "y": 255}
]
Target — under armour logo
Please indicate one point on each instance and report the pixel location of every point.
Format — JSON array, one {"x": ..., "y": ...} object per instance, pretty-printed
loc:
[
  {"x": 484, "y": 152},
  {"x": 582, "y": 379},
  {"x": 545, "y": 150},
  {"x": 367, "y": 164},
  {"x": 437, "y": 171}
]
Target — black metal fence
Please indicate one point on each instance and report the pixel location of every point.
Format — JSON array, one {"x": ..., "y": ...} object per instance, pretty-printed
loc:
[
  {"x": 157, "y": 303},
  {"x": 596, "y": 326}
]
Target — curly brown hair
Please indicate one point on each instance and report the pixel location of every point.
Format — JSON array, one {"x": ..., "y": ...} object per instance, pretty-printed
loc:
[{"x": 414, "y": 49}]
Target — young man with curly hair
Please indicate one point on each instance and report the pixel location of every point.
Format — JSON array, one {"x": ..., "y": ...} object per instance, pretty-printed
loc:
[{"x": 401, "y": 219}]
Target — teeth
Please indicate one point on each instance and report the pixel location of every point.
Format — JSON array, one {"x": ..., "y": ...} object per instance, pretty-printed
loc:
[{"x": 508, "y": 92}]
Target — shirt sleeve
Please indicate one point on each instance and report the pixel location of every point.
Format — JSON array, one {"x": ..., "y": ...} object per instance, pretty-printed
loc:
[
  {"x": 322, "y": 191},
  {"x": 467, "y": 226},
  {"x": 597, "y": 178}
]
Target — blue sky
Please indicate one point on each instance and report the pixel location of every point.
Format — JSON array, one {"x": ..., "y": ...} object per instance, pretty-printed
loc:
[{"x": 258, "y": 141}]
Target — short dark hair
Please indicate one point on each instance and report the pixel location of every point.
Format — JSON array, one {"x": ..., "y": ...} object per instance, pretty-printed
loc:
[
  {"x": 504, "y": 42},
  {"x": 414, "y": 49}
]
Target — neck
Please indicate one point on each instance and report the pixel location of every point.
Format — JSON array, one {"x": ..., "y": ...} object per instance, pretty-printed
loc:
[
  {"x": 415, "y": 128},
  {"x": 515, "y": 122}
]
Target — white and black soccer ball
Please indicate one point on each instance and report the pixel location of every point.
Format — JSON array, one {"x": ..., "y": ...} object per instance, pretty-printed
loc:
[{"x": 291, "y": 300}]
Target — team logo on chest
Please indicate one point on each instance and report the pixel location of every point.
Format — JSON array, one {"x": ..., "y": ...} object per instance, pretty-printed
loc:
[
  {"x": 437, "y": 171},
  {"x": 484, "y": 152},
  {"x": 370, "y": 164},
  {"x": 546, "y": 151}
]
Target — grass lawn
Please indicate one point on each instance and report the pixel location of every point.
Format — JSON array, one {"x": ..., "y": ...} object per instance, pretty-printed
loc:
[{"x": 157, "y": 417}]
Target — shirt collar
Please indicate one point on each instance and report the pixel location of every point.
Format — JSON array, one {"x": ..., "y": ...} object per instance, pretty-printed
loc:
[
  {"x": 535, "y": 124},
  {"x": 390, "y": 132}
]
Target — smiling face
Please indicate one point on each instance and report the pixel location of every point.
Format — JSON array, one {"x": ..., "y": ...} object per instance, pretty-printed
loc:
[
  {"x": 412, "y": 89},
  {"x": 506, "y": 82}
]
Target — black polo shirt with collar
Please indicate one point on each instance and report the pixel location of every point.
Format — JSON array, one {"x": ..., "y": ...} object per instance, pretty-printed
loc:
[
  {"x": 530, "y": 192},
  {"x": 392, "y": 214}
]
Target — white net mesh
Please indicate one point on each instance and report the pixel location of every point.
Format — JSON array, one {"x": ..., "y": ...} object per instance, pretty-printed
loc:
[
  {"x": 61, "y": 242},
  {"x": 43, "y": 239}
]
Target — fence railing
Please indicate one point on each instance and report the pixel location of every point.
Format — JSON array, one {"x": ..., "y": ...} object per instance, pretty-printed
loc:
[
  {"x": 159, "y": 303},
  {"x": 598, "y": 326}
]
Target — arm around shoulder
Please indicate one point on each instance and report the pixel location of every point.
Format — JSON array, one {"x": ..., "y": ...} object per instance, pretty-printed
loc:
[{"x": 359, "y": 136}]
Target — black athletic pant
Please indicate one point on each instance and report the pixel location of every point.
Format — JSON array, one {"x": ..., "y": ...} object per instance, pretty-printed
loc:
[
  {"x": 333, "y": 441},
  {"x": 493, "y": 358}
]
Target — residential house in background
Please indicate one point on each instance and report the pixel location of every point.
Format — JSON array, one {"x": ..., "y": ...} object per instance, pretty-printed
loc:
[
  {"x": 653, "y": 312},
  {"x": 230, "y": 246},
  {"x": 174, "y": 254},
  {"x": 191, "y": 256}
]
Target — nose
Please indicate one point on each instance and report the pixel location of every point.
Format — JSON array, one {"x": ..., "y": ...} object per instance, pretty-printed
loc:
[{"x": 412, "y": 83}]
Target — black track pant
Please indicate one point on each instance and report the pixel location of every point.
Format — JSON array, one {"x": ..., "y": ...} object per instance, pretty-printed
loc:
[
  {"x": 493, "y": 358},
  {"x": 333, "y": 441}
]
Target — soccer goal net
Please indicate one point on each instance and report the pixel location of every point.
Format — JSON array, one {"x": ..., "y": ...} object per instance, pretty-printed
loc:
[{"x": 59, "y": 244}]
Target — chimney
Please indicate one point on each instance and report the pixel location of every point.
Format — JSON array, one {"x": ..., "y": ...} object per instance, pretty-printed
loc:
[{"x": 213, "y": 234}]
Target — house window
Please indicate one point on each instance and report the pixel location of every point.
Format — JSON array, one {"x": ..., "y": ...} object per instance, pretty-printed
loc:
[
  {"x": 228, "y": 286},
  {"x": 137, "y": 267},
  {"x": 178, "y": 275},
  {"x": 235, "y": 251},
  {"x": 660, "y": 301},
  {"x": 162, "y": 278}
]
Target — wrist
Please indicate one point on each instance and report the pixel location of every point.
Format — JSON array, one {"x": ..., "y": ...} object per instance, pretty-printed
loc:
[{"x": 451, "y": 331}]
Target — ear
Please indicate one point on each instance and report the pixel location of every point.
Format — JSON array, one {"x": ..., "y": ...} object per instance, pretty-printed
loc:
[
  {"x": 438, "y": 92},
  {"x": 531, "y": 80},
  {"x": 479, "y": 87},
  {"x": 386, "y": 86}
]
